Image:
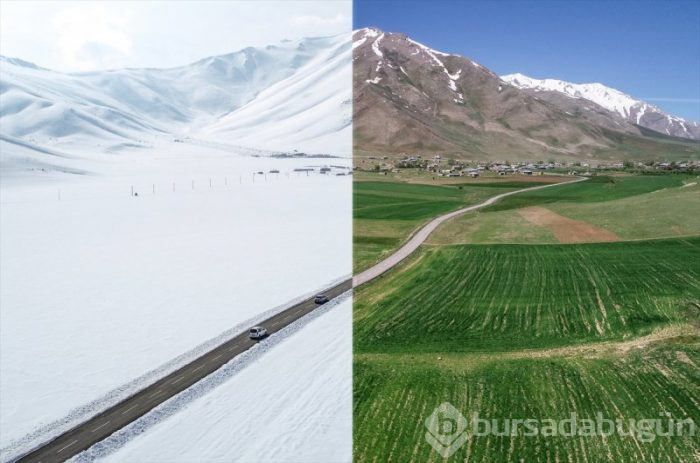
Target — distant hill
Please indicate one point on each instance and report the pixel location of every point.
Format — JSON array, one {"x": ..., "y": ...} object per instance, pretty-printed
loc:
[
  {"x": 410, "y": 98},
  {"x": 617, "y": 104}
]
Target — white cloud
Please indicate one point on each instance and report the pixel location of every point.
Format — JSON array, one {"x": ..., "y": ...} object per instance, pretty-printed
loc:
[
  {"x": 313, "y": 20},
  {"x": 90, "y": 37},
  {"x": 81, "y": 36}
]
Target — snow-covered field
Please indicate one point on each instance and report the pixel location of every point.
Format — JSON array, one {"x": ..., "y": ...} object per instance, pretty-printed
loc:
[
  {"x": 294, "y": 403},
  {"x": 101, "y": 288},
  {"x": 147, "y": 215}
]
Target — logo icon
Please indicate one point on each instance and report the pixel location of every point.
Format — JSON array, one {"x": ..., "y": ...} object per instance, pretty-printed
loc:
[{"x": 447, "y": 429}]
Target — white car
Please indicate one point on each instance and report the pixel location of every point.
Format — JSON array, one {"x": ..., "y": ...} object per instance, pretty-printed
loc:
[{"x": 257, "y": 332}]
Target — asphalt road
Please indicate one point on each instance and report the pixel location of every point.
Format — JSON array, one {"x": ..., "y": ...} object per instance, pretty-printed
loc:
[
  {"x": 421, "y": 235},
  {"x": 106, "y": 423},
  {"x": 113, "y": 419}
]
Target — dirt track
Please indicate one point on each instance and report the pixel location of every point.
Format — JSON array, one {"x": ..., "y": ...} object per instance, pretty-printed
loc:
[{"x": 566, "y": 230}]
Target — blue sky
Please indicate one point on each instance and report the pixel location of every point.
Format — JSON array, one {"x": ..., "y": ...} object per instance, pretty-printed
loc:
[{"x": 648, "y": 49}]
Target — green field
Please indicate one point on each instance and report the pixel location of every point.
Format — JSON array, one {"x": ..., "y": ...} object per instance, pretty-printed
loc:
[
  {"x": 670, "y": 212},
  {"x": 393, "y": 398},
  {"x": 663, "y": 208},
  {"x": 387, "y": 212},
  {"x": 530, "y": 331},
  {"x": 534, "y": 331},
  {"x": 497, "y": 298},
  {"x": 595, "y": 189}
]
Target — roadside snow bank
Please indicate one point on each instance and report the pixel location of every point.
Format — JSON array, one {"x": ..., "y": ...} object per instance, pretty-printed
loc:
[{"x": 289, "y": 399}]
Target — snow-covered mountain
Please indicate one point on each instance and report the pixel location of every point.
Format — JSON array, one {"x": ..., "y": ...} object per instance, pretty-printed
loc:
[
  {"x": 622, "y": 105},
  {"x": 110, "y": 181},
  {"x": 293, "y": 95},
  {"x": 311, "y": 108},
  {"x": 410, "y": 98}
]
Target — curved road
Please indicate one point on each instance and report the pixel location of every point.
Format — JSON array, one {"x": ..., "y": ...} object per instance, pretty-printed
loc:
[
  {"x": 97, "y": 428},
  {"x": 421, "y": 235}
]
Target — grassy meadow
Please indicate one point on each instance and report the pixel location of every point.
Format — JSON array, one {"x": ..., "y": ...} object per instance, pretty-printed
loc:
[
  {"x": 393, "y": 397},
  {"x": 639, "y": 207},
  {"x": 386, "y": 212},
  {"x": 595, "y": 189},
  {"x": 466, "y": 298},
  {"x": 495, "y": 316}
]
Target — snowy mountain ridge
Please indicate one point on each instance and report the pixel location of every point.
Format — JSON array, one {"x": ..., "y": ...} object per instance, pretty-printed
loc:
[
  {"x": 200, "y": 99},
  {"x": 626, "y": 107},
  {"x": 410, "y": 98}
]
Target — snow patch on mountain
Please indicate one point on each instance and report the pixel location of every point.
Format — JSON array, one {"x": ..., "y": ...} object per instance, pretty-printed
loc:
[
  {"x": 375, "y": 46},
  {"x": 359, "y": 43},
  {"x": 452, "y": 82},
  {"x": 626, "y": 107},
  {"x": 609, "y": 98},
  {"x": 430, "y": 52}
]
